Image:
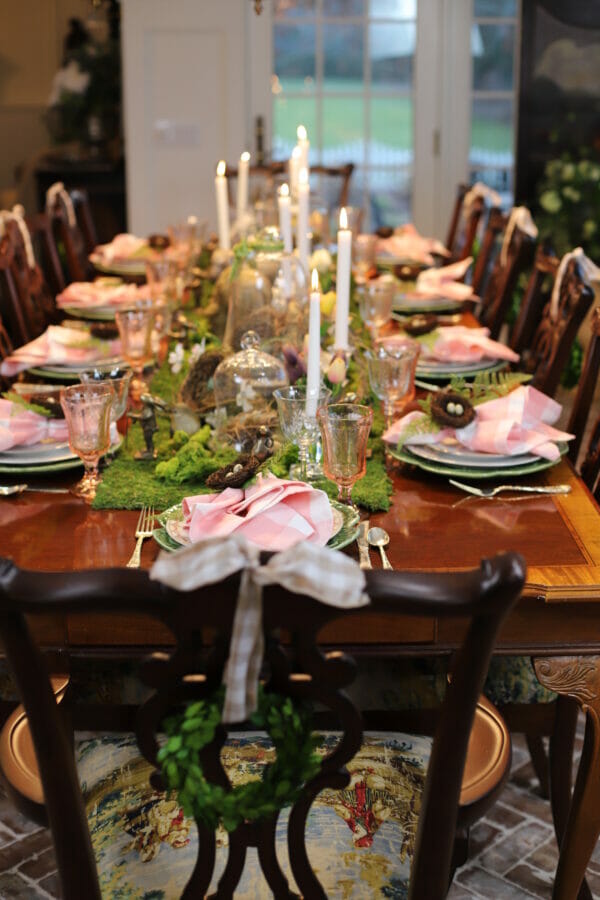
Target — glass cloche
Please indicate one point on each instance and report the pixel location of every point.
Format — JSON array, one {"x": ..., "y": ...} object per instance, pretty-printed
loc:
[
  {"x": 244, "y": 382},
  {"x": 268, "y": 294}
]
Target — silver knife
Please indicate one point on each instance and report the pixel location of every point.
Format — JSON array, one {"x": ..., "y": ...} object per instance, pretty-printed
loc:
[
  {"x": 363, "y": 545},
  {"x": 10, "y": 489}
]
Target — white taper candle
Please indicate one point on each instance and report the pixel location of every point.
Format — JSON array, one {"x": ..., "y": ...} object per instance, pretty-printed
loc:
[
  {"x": 222, "y": 207},
  {"x": 302, "y": 221},
  {"x": 313, "y": 365},
  {"x": 242, "y": 185},
  {"x": 344, "y": 259}
]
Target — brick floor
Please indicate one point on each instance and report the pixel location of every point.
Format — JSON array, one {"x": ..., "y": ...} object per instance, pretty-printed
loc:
[{"x": 513, "y": 850}]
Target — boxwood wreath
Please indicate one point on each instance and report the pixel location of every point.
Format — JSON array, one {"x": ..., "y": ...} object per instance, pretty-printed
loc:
[{"x": 288, "y": 725}]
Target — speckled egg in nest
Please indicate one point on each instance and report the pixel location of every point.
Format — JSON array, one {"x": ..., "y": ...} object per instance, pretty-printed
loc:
[
  {"x": 451, "y": 409},
  {"x": 422, "y": 323},
  {"x": 235, "y": 474}
]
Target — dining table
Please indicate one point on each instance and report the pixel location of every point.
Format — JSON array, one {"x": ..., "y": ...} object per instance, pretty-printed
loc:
[{"x": 433, "y": 526}]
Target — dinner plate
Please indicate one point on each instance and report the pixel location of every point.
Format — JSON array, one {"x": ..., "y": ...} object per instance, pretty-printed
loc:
[
  {"x": 93, "y": 313},
  {"x": 474, "y": 473},
  {"x": 72, "y": 373},
  {"x": 171, "y": 537},
  {"x": 444, "y": 371},
  {"x": 40, "y": 468},
  {"x": 460, "y": 456},
  {"x": 34, "y": 454},
  {"x": 410, "y": 303},
  {"x": 136, "y": 266}
]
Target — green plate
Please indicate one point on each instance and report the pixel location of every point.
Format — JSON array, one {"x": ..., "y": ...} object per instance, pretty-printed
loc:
[
  {"x": 97, "y": 314},
  {"x": 347, "y": 533},
  {"x": 478, "y": 474},
  {"x": 41, "y": 467},
  {"x": 442, "y": 375},
  {"x": 135, "y": 268}
]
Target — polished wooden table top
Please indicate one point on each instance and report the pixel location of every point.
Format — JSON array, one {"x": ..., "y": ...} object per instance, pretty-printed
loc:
[{"x": 432, "y": 526}]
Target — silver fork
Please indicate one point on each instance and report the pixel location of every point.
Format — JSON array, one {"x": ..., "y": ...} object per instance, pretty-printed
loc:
[
  {"x": 526, "y": 489},
  {"x": 144, "y": 529}
]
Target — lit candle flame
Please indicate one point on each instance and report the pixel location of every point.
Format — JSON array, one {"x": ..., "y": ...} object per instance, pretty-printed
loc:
[
  {"x": 245, "y": 157},
  {"x": 301, "y": 133},
  {"x": 221, "y": 167},
  {"x": 314, "y": 281},
  {"x": 343, "y": 219},
  {"x": 284, "y": 190},
  {"x": 303, "y": 176}
]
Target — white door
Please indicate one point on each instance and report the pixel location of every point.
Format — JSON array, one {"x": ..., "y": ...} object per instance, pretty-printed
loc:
[{"x": 185, "y": 95}]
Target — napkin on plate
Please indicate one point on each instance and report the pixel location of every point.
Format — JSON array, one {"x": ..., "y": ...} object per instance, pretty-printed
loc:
[
  {"x": 445, "y": 281},
  {"x": 407, "y": 243},
  {"x": 20, "y": 426},
  {"x": 520, "y": 422},
  {"x": 456, "y": 343},
  {"x": 101, "y": 293},
  {"x": 273, "y": 513},
  {"x": 59, "y": 345},
  {"x": 120, "y": 249}
]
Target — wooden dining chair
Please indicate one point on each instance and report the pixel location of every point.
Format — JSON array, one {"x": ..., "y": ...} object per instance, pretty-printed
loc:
[
  {"x": 488, "y": 250},
  {"x": 336, "y": 179},
  {"x": 71, "y": 242},
  {"x": 456, "y": 213},
  {"x": 20, "y": 292},
  {"x": 46, "y": 251},
  {"x": 466, "y": 232},
  {"x": 547, "y": 354},
  {"x": 536, "y": 295},
  {"x": 116, "y": 830},
  {"x": 6, "y": 348},
  {"x": 36, "y": 294},
  {"x": 85, "y": 219},
  {"x": 498, "y": 294},
  {"x": 587, "y": 433}
]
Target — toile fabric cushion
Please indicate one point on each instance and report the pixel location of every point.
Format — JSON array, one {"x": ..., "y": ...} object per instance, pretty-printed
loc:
[
  {"x": 511, "y": 679},
  {"x": 360, "y": 840}
]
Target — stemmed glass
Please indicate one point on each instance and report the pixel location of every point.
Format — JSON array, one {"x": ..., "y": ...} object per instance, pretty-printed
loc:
[
  {"x": 135, "y": 329},
  {"x": 392, "y": 376},
  {"x": 375, "y": 300},
  {"x": 87, "y": 410},
  {"x": 300, "y": 428},
  {"x": 118, "y": 378},
  {"x": 345, "y": 429}
]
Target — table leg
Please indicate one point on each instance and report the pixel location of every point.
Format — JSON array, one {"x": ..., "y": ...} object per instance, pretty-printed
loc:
[{"x": 577, "y": 677}]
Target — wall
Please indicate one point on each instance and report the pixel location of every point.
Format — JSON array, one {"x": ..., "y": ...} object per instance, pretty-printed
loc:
[{"x": 31, "y": 36}]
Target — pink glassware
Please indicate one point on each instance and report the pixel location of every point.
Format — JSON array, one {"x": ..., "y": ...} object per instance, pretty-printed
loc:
[
  {"x": 87, "y": 409},
  {"x": 345, "y": 429}
]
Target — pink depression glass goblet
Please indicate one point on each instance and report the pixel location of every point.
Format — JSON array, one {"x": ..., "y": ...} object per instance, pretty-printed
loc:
[
  {"x": 135, "y": 330},
  {"x": 345, "y": 430},
  {"x": 87, "y": 409}
]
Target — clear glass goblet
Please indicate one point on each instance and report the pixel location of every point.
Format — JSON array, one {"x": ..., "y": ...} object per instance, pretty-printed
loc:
[
  {"x": 392, "y": 376},
  {"x": 345, "y": 430},
  {"x": 87, "y": 409},
  {"x": 161, "y": 278},
  {"x": 375, "y": 299},
  {"x": 300, "y": 428},
  {"x": 135, "y": 329},
  {"x": 363, "y": 256}
]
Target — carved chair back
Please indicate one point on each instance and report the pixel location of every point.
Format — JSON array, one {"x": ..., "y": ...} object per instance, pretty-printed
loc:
[
  {"x": 578, "y": 420},
  {"x": 46, "y": 251},
  {"x": 553, "y": 338},
  {"x": 6, "y": 348},
  {"x": 494, "y": 229},
  {"x": 455, "y": 217},
  {"x": 329, "y": 176},
  {"x": 466, "y": 229},
  {"x": 85, "y": 219},
  {"x": 34, "y": 291},
  {"x": 498, "y": 294},
  {"x": 71, "y": 244},
  {"x": 23, "y": 319},
  {"x": 299, "y": 669},
  {"x": 537, "y": 293}
]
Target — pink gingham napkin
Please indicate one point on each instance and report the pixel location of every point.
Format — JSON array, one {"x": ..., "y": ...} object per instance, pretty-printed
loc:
[
  {"x": 407, "y": 243},
  {"x": 520, "y": 422},
  {"x": 457, "y": 343},
  {"x": 446, "y": 281},
  {"x": 273, "y": 513},
  {"x": 59, "y": 345},
  {"x": 121, "y": 248},
  {"x": 20, "y": 426},
  {"x": 102, "y": 292}
]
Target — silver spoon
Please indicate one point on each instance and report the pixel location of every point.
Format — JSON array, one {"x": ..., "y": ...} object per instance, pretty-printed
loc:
[
  {"x": 7, "y": 490},
  {"x": 377, "y": 537}
]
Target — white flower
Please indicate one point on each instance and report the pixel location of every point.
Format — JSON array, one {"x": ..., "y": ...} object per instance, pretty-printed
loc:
[
  {"x": 70, "y": 80},
  {"x": 176, "y": 359},
  {"x": 197, "y": 351},
  {"x": 320, "y": 260}
]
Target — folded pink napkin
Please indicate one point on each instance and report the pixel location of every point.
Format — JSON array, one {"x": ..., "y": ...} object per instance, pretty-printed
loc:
[
  {"x": 272, "y": 513},
  {"x": 121, "y": 248},
  {"x": 407, "y": 243},
  {"x": 20, "y": 426},
  {"x": 90, "y": 294},
  {"x": 520, "y": 422},
  {"x": 457, "y": 343},
  {"x": 59, "y": 345},
  {"x": 446, "y": 282}
]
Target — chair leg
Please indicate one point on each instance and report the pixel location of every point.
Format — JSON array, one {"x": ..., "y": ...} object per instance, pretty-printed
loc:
[{"x": 535, "y": 745}]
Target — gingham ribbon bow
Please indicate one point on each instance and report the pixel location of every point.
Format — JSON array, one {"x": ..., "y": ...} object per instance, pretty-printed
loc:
[
  {"x": 591, "y": 273},
  {"x": 56, "y": 192},
  {"x": 325, "y": 575}
]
